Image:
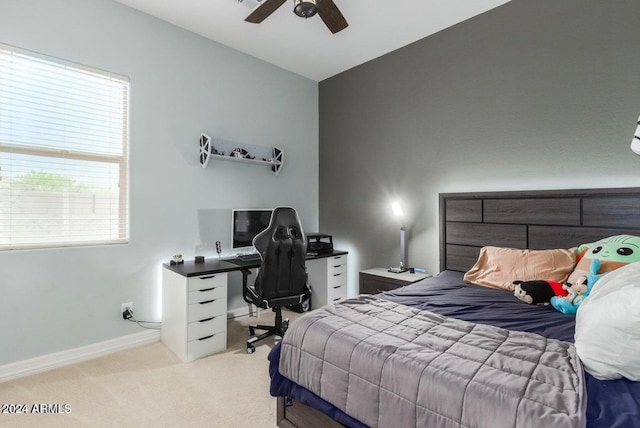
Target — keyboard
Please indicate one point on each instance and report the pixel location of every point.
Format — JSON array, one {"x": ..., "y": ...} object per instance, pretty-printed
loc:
[{"x": 249, "y": 257}]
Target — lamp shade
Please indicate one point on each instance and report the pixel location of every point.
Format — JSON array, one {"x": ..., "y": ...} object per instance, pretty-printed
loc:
[{"x": 397, "y": 209}]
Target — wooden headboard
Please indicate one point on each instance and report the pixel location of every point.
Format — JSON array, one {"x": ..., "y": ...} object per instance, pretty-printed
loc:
[{"x": 532, "y": 219}]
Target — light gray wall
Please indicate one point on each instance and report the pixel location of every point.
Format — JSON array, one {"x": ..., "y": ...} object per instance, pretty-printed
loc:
[
  {"x": 538, "y": 94},
  {"x": 181, "y": 85}
]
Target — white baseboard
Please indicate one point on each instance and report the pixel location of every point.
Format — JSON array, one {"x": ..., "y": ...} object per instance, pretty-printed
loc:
[
  {"x": 239, "y": 312},
  {"x": 64, "y": 358}
]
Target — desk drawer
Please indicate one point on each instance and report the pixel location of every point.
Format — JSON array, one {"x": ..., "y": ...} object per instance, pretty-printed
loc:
[
  {"x": 336, "y": 278},
  {"x": 336, "y": 271},
  {"x": 207, "y": 281},
  {"x": 207, "y": 309},
  {"x": 336, "y": 292},
  {"x": 207, "y": 327},
  {"x": 203, "y": 347},
  {"x": 206, "y": 294},
  {"x": 336, "y": 264}
]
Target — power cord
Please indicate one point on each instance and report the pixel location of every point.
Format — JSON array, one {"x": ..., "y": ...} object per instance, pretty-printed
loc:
[{"x": 128, "y": 315}]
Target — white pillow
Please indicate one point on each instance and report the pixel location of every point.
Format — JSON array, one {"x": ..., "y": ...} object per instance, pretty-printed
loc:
[{"x": 607, "y": 335}]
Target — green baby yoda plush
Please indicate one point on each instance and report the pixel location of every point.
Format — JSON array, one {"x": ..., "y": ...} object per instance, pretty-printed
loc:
[
  {"x": 613, "y": 253},
  {"x": 595, "y": 260}
]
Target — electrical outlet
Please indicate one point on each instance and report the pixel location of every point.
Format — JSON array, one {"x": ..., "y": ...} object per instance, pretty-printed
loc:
[{"x": 126, "y": 309}]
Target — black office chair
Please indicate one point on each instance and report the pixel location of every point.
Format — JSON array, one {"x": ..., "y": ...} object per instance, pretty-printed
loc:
[{"x": 282, "y": 278}]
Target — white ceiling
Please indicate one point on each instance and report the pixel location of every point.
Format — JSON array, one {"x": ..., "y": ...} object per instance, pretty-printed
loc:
[{"x": 307, "y": 47}]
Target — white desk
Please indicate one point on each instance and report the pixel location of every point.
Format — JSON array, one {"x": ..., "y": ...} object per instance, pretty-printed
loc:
[{"x": 194, "y": 300}]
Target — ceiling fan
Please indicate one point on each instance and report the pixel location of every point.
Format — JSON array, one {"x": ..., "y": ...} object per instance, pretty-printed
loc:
[{"x": 327, "y": 9}]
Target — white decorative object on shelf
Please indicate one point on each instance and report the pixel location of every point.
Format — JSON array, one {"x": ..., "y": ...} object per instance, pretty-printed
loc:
[
  {"x": 635, "y": 142},
  {"x": 247, "y": 153}
]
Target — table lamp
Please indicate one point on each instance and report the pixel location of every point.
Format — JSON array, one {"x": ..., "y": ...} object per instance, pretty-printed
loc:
[{"x": 397, "y": 211}]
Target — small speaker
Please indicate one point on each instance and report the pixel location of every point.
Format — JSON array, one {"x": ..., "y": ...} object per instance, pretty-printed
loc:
[{"x": 199, "y": 259}]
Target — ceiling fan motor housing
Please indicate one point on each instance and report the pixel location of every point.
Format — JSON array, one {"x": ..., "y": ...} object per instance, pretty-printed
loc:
[
  {"x": 305, "y": 8},
  {"x": 327, "y": 9}
]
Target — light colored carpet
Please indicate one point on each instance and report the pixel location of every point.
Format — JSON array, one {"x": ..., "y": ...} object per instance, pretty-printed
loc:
[{"x": 149, "y": 386}]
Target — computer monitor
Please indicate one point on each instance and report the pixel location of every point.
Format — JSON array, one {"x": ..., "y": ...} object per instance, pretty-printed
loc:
[{"x": 245, "y": 225}]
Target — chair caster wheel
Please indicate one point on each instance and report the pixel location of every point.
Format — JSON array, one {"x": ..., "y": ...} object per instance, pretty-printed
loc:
[{"x": 251, "y": 349}]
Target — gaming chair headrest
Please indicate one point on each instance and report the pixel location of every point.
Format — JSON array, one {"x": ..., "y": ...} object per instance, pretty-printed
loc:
[{"x": 284, "y": 224}]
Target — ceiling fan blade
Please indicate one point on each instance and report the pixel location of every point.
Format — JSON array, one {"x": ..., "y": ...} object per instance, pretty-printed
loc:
[
  {"x": 262, "y": 12},
  {"x": 331, "y": 16}
]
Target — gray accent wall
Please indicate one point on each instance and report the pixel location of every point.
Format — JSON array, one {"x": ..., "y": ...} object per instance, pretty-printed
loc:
[
  {"x": 181, "y": 85},
  {"x": 538, "y": 94}
]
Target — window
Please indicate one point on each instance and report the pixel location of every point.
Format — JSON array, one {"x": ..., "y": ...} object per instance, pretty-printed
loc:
[{"x": 63, "y": 153}]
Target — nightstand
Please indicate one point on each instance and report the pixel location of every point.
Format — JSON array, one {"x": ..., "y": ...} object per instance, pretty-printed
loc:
[{"x": 377, "y": 280}]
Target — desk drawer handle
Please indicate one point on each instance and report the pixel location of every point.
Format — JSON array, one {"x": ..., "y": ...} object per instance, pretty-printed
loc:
[
  {"x": 337, "y": 286},
  {"x": 207, "y": 289},
  {"x": 208, "y": 277},
  {"x": 207, "y": 337},
  {"x": 337, "y": 266},
  {"x": 207, "y": 319},
  {"x": 337, "y": 274},
  {"x": 208, "y": 301}
]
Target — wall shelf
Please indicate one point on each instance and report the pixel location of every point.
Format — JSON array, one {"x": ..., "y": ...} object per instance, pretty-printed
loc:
[{"x": 246, "y": 153}]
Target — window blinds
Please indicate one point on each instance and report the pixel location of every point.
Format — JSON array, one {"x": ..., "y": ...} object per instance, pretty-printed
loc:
[{"x": 63, "y": 153}]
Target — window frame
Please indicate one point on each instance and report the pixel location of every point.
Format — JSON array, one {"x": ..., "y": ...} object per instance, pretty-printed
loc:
[{"x": 122, "y": 159}]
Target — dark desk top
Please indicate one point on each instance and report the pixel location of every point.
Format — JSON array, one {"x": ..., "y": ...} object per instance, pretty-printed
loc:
[{"x": 215, "y": 265}]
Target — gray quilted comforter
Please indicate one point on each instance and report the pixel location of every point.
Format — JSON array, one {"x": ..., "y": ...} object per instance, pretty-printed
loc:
[{"x": 389, "y": 365}]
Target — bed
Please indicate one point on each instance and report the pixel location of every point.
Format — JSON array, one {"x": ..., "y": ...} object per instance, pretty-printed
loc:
[{"x": 468, "y": 222}]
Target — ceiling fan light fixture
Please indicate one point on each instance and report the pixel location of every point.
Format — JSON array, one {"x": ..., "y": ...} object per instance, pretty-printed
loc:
[{"x": 305, "y": 8}]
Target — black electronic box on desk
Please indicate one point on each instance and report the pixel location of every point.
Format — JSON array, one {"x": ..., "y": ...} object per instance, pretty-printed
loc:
[{"x": 319, "y": 243}]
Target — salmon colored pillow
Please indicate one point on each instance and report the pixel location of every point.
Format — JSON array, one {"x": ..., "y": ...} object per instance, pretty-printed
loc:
[{"x": 498, "y": 267}]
